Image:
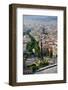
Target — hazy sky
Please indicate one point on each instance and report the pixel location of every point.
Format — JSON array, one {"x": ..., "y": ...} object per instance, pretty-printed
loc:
[{"x": 40, "y": 18}]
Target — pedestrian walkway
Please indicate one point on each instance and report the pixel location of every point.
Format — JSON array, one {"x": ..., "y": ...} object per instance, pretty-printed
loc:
[{"x": 48, "y": 70}]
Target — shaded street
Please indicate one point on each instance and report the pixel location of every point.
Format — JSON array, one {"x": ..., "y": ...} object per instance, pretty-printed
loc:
[{"x": 49, "y": 70}]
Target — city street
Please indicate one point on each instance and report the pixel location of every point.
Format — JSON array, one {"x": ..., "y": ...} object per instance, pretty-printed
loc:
[{"x": 49, "y": 70}]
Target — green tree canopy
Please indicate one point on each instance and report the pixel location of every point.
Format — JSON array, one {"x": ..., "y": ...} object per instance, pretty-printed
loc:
[{"x": 33, "y": 44}]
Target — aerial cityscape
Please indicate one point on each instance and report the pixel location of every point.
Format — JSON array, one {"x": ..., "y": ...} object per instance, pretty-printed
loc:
[{"x": 39, "y": 44}]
